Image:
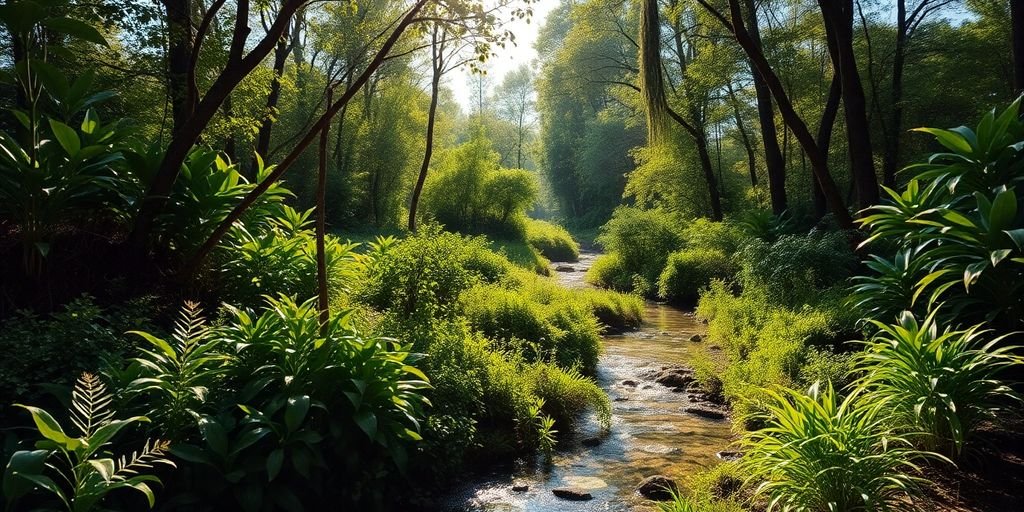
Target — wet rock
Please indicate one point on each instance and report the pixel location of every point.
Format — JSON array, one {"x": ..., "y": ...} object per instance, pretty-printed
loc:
[
  {"x": 678, "y": 377},
  {"x": 705, "y": 412},
  {"x": 565, "y": 268},
  {"x": 620, "y": 399},
  {"x": 520, "y": 487},
  {"x": 591, "y": 442},
  {"x": 729, "y": 455},
  {"x": 657, "y": 487},
  {"x": 647, "y": 386},
  {"x": 696, "y": 338},
  {"x": 630, "y": 383},
  {"x": 715, "y": 347},
  {"x": 572, "y": 494}
]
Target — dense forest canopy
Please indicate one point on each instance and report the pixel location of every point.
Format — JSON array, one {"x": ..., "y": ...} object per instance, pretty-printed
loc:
[{"x": 295, "y": 254}]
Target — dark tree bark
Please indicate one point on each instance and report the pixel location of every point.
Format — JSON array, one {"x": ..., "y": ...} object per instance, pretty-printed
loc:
[
  {"x": 747, "y": 145},
  {"x": 281, "y": 52},
  {"x": 891, "y": 150},
  {"x": 819, "y": 164},
  {"x": 774, "y": 162},
  {"x": 824, "y": 139},
  {"x": 1017, "y": 31},
  {"x": 437, "y": 68},
  {"x": 838, "y": 17},
  {"x": 179, "y": 55}
]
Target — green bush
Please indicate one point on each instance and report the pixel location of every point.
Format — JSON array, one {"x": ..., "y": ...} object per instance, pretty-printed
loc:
[
  {"x": 55, "y": 349},
  {"x": 279, "y": 257},
  {"x": 424, "y": 274},
  {"x": 523, "y": 255},
  {"x": 552, "y": 240},
  {"x": 642, "y": 241},
  {"x": 689, "y": 271},
  {"x": 725, "y": 236},
  {"x": 609, "y": 271},
  {"x": 794, "y": 269},
  {"x": 470, "y": 193},
  {"x": 959, "y": 230},
  {"x": 563, "y": 332},
  {"x": 616, "y": 311},
  {"x": 820, "y": 451},
  {"x": 940, "y": 383}
]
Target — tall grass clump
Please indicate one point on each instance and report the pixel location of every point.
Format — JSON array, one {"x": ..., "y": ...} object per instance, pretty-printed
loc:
[
  {"x": 821, "y": 451},
  {"x": 940, "y": 383},
  {"x": 552, "y": 240},
  {"x": 641, "y": 240}
]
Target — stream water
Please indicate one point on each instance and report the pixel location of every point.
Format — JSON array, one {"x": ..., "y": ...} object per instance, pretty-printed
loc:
[{"x": 650, "y": 433}]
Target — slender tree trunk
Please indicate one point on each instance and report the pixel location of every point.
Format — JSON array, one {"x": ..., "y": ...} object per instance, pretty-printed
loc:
[
  {"x": 179, "y": 54},
  {"x": 1017, "y": 34},
  {"x": 280, "y": 58},
  {"x": 824, "y": 139},
  {"x": 891, "y": 151},
  {"x": 747, "y": 145},
  {"x": 437, "y": 62},
  {"x": 838, "y": 16},
  {"x": 774, "y": 162},
  {"x": 321, "y": 226},
  {"x": 230, "y": 147}
]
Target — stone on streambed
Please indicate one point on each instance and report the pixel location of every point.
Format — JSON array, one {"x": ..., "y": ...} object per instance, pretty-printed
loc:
[
  {"x": 705, "y": 412},
  {"x": 677, "y": 377},
  {"x": 572, "y": 494},
  {"x": 657, "y": 488},
  {"x": 591, "y": 441},
  {"x": 520, "y": 487},
  {"x": 729, "y": 455},
  {"x": 565, "y": 268},
  {"x": 696, "y": 338}
]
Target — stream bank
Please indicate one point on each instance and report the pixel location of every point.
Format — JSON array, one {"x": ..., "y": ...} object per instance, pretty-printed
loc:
[{"x": 651, "y": 432}]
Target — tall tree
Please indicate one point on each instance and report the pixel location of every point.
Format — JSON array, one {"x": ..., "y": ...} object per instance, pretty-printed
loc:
[
  {"x": 516, "y": 105},
  {"x": 838, "y": 18}
]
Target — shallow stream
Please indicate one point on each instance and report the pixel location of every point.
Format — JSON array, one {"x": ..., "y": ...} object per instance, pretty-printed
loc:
[{"x": 650, "y": 433}]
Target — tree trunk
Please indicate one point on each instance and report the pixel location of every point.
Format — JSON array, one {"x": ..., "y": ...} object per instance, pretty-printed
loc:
[
  {"x": 179, "y": 55},
  {"x": 838, "y": 17},
  {"x": 1017, "y": 34},
  {"x": 437, "y": 63},
  {"x": 891, "y": 151},
  {"x": 747, "y": 145},
  {"x": 824, "y": 139},
  {"x": 773, "y": 159},
  {"x": 280, "y": 58},
  {"x": 323, "y": 299},
  {"x": 819, "y": 164}
]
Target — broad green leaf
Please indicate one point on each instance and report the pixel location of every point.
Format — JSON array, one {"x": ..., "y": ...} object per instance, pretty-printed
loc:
[
  {"x": 274, "y": 462},
  {"x": 66, "y": 136},
  {"x": 367, "y": 421},
  {"x": 76, "y": 28},
  {"x": 295, "y": 412},
  {"x": 49, "y": 427},
  {"x": 951, "y": 140},
  {"x": 23, "y": 462}
]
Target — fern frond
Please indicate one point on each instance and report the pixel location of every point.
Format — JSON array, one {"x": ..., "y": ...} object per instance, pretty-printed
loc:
[
  {"x": 90, "y": 404},
  {"x": 190, "y": 326},
  {"x": 151, "y": 453}
]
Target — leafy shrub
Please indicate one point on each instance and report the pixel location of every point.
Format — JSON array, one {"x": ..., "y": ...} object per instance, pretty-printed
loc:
[
  {"x": 724, "y": 236},
  {"x": 279, "y": 257},
  {"x": 820, "y": 451},
  {"x": 614, "y": 310},
  {"x": 289, "y": 410},
  {"x": 794, "y": 268},
  {"x": 523, "y": 255},
  {"x": 79, "y": 471},
  {"x": 959, "y": 228},
  {"x": 91, "y": 333},
  {"x": 690, "y": 270},
  {"x": 609, "y": 271},
  {"x": 469, "y": 192},
  {"x": 424, "y": 274},
  {"x": 942, "y": 384},
  {"x": 552, "y": 240},
  {"x": 642, "y": 241},
  {"x": 564, "y": 332}
]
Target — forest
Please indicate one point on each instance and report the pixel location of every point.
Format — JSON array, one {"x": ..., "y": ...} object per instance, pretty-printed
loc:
[{"x": 515, "y": 255}]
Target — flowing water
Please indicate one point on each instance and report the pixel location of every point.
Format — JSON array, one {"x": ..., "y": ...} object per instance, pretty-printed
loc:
[{"x": 650, "y": 434}]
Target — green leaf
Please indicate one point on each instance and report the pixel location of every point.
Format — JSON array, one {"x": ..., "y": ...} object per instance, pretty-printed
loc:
[
  {"x": 1017, "y": 235},
  {"x": 91, "y": 122},
  {"x": 295, "y": 412},
  {"x": 76, "y": 28},
  {"x": 22, "y": 463},
  {"x": 367, "y": 421},
  {"x": 49, "y": 428},
  {"x": 105, "y": 467},
  {"x": 1004, "y": 209},
  {"x": 274, "y": 462},
  {"x": 66, "y": 136},
  {"x": 214, "y": 435},
  {"x": 952, "y": 140}
]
